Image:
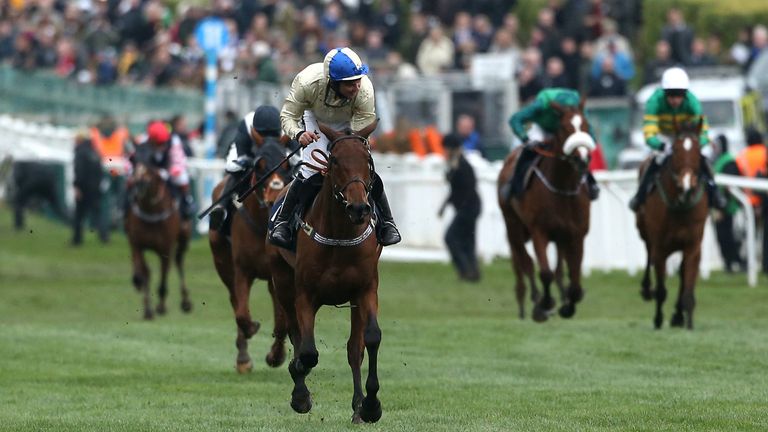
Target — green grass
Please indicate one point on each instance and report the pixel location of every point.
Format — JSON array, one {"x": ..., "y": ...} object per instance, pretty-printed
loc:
[{"x": 75, "y": 355}]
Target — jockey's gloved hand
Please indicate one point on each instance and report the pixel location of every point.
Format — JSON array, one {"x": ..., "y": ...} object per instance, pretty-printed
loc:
[{"x": 244, "y": 161}]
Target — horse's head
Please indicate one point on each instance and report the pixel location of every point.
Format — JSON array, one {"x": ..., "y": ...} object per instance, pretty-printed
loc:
[
  {"x": 572, "y": 139},
  {"x": 685, "y": 160},
  {"x": 147, "y": 183},
  {"x": 272, "y": 153},
  {"x": 350, "y": 170}
]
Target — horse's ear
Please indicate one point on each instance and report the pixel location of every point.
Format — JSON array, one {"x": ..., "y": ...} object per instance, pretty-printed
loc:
[
  {"x": 257, "y": 138},
  {"x": 368, "y": 129},
  {"x": 328, "y": 132},
  {"x": 557, "y": 107},
  {"x": 700, "y": 125},
  {"x": 582, "y": 102}
]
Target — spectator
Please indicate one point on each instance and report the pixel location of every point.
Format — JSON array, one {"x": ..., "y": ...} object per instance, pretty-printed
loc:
[
  {"x": 482, "y": 33},
  {"x": 569, "y": 53},
  {"x": 505, "y": 43},
  {"x": 436, "y": 52},
  {"x": 699, "y": 55},
  {"x": 87, "y": 184},
  {"x": 623, "y": 65},
  {"x": 529, "y": 84},
  {"x": 611, "y": 41},
  {"x": 463, "y": 196},
  {"x": 752, "y": 161},
  {"x": 35, "y": 181},
  {"x": 554, "y": 75},
  {"x": 661, "y": 62},
  {"x": 179, "y": 128},
  {"x": 740, "y": 50},
  {"x": 470, "y": 138},
  {"x": 419, "y": 30},
  {"x": 608, "y": 83},
  {"x": 679, "y": 36},
  {"x": 759, "y": 44},
  {"x": 730, "y": 247}
]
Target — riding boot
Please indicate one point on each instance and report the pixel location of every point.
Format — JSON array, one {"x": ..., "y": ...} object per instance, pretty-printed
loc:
[
  {"x": 715, "y": 197},
  {"x": 187, "y": 207},
  {"x": 387, "y": 230},
  {"x": 282, "y": 233},
  {"x": 592, "y": 187},
  {"x": 524, "y": 161},
  {"x": 645, "y": 183}
]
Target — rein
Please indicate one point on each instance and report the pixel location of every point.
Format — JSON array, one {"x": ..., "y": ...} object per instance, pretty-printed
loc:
[
  {"x": 153, "y": 217},
  {"x": 573, "y": 192},
  {"x": 683, "y": 201}
]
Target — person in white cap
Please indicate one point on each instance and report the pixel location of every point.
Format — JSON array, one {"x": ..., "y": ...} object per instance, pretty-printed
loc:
[{"x": 338, "y": 93}]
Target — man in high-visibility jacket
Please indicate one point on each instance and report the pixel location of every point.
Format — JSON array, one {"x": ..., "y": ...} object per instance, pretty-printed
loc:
[
  {"x": 752, "y": 161},
  {"x": 112, "y": 142}
]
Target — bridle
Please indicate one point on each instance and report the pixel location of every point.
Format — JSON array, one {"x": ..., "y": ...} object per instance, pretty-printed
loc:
[{"x": 338, "y": 192}]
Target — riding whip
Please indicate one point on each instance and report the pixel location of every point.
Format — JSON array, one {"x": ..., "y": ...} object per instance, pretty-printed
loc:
[{"x": 226, "y": 194}]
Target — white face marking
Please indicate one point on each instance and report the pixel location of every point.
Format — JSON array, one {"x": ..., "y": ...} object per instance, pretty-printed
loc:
[
  {"x": 584, "y": 153},
  {"x": 687, "y": 144},
  {"x": 576, "y": 122},
  {"x": 686, "y": 180}
]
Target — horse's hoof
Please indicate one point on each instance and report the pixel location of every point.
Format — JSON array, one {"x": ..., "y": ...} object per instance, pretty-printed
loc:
[
  {"x": 576, "y": 295},
  {"x": 160, "y": 309},
  {"x": 356, "y": 418},
  {"x": 370, "y": 411},
  {"x": 276, "y": 357},
  {"x": 137, "y": 282},
  {"x": 148, "y": 315},
  {"x": 186, "y": 306},
  {"x": 647, "y": 295},
  {"x": 301, "y": 404},
  {"x": 658, "y": 320},
  {"x": 539, "y": 314},
  {"x": 677, "y": 320},
  {"x": 548, "y": 304},
  {"x": 567, "y": 310},
  {"x": 244, "y": 368}
]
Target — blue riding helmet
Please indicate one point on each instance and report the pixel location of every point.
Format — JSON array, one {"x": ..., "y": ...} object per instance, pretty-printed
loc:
[{"x": 342, "y": 64}]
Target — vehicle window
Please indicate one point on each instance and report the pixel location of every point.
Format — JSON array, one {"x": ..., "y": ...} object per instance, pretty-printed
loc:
[{"x": 721, "y": 114}]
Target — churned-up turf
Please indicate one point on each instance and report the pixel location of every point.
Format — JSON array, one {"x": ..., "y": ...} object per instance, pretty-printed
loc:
[{"x": 76, "y": 356}]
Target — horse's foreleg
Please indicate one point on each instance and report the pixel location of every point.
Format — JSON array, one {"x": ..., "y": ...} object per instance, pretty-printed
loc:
[
  {"x": 243, "y": 362},
  {"x": 141, "y": 279},
  {"x": 659, "y": 265},
  {"x": 547, "y": 303},
  {"x": 677, "y": 318},
  {"x": 370, "y": 408},
  {"x": 690, "y": 274},
  {"x": 181, "y": 250},
  {"x": 574, "y": 253},
  {"x": 305, "y": 353},
  {"x": 559, "y": 274},
  {"x": 242, "y": 307},
  {"x": 519, "y": 282},
  {"x": 355, "y": 346},
  {"x": 645, "y": 292},
  {"x": 162, "y": 289},
  {"x": 276, "y": 355}
]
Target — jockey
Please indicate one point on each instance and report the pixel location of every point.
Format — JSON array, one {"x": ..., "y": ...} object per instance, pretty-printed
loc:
[
  {"x": 671, "y": 102},
  {"x": 545, "y": 121},
  {"x": 264, "y": 121},
  {"x": 166, "y": 152},
  {"x": 338, "y": 93}
]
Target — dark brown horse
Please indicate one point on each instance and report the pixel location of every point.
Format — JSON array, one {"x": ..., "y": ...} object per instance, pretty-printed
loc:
[
  {"x": 153, "y": 223},
  {"x": 336, "y": 262},
  {"x": 242, "y": 258},
  {"x": 554, "y": 208},
  {"x": 672, "y": 219}
]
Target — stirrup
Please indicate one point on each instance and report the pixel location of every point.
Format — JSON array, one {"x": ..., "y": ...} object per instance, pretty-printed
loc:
[
  {"x": 217, "y": 216},
  {"x": 281, "y": 235}
]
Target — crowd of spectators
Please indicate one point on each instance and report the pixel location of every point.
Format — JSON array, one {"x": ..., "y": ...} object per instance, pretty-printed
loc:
[{"x": 581, "y": 44}]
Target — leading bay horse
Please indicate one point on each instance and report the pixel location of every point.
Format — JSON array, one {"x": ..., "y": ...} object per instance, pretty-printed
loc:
[
  {"x": 241, "y": 259},
  {"x": 336, "y": 262},
  {"x": 153, "y": 223},
  {"x": 672, "y": 219},
  {"x": 554, "y": 208}
]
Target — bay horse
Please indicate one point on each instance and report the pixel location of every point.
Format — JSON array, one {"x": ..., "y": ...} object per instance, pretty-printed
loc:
[
  {"x": 554, "y": 208},
  {"x": 153, "y": 222},
  {"x": 672, "y": 219},
  {"x": 336, "y": 261},
  {"x": 241, "y": 258}
]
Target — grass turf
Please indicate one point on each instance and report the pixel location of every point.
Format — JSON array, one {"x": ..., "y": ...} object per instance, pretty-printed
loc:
[{"x": 75, "y": 355}]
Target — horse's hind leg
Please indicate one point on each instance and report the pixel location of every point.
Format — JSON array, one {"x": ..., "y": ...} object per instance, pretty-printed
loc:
[
  {"x": 162, "y": 289},
  {"x": 521, "y": 261},
  {"x": 546, "y": 304},
  {"x": 276, "y": 355},
  {"x": 365, "y": 330},
  {"x": 645, "y": 292},
  {"x": 181, "y": 250},
  {"x": 691, "y": 272},
  {"x": 242, "y": 308},
  {"x": 559, "y": 275}
]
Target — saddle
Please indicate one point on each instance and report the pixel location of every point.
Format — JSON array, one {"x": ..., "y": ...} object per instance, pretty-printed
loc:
[{"x": 525, "y": 179}]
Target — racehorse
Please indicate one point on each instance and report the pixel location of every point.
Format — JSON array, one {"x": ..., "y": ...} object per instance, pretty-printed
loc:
[
  {"x": 672, "y": 219},
  {"x": 241, "y": 259},
  {"x": 555, "y": 207},
  {"x": 336, "y": 261},
  {"x": 153, "y": 223}
]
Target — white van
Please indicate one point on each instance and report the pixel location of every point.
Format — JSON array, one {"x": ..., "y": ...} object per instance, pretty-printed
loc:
[{"x": 729, "y": 106}]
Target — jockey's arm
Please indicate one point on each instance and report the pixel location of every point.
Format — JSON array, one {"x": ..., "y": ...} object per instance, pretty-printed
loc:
[
  {"x": 364, "y": 109},
  {"x": 178, "y": 163},
  {"x": 292, "y": 114},
  {"x": 518, "y": 120},
  {"x": 241, "y": 149}
]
